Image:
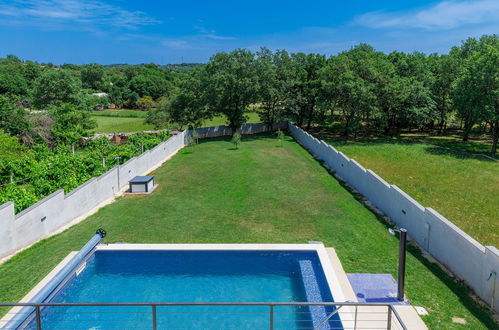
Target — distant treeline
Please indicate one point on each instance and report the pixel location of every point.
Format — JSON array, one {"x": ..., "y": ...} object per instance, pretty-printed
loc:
[{"x": 360, "y": 89}]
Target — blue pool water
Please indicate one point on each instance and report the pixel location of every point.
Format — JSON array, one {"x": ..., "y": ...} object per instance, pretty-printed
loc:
[{"x": 193, "y": 276}]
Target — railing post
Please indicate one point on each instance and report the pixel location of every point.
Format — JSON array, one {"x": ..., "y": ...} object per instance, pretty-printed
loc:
[
  {"x": 38, "y": 318},
  {"x": 389, "y": 324},
  {"x": 355, "y": 319},
  {"x": 402, "y": 255},
  {"x": 154, "y": 320},
  {"x": 271, "y": 317}
]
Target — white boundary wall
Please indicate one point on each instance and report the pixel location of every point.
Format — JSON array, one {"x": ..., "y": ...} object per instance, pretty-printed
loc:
[
  {"x": 57, "y": 211},
  {"x": 477, "y": 265}
]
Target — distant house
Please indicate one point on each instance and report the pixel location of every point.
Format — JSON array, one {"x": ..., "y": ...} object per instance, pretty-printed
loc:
[{"x": 99, "y": 94}]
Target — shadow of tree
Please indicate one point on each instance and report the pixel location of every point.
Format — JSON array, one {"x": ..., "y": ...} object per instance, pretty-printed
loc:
[{"x": 447, "y": 145}]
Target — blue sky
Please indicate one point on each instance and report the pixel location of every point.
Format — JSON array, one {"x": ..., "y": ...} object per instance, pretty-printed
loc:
[{"x": 127, "y": 31}]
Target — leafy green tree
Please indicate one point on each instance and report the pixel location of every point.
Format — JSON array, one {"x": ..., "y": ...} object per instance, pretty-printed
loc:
[
  {"x": 70, "y": 123},
  {"x": 273, "y": 74},
  {"x": 445, "y": 72},
  {"x": 12, "y": 80},
  {"x": 186, "y": 108},
  {"x": 92, "y": 76},
  {"x": 54, "y": 87},
  {"x": 477, "y": 91},
  {"x": 31, "y": 71},
  {"x": 304, "y": 87},
  {"x": 117, "y": 95},
  {"x": 13, "y": 119},
  {"x": 161, "y": 117},
  {"x": 419, "y": 107},
  {"x": 230, "y": 85},
  {"x": 154, "y": 86},
  {"x": 10, "y": 148},
  {"x": 347, "y": 84}
]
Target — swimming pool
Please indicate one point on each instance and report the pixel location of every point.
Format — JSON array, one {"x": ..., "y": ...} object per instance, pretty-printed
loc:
[{"x": 156, "y": 274}]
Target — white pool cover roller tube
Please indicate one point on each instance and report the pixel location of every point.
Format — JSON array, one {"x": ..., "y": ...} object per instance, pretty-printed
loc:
[{"x": 19, "y": 318}]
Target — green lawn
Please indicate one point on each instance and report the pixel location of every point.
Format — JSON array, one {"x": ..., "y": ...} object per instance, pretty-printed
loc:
[
  {"x": 120, "y": 124},
  {"x": 260, "y": 193},
  {"x": 124, "y": 121},
  {"x": 439, "y": 172},
  {"x": 120, "y": 113},
  {"x": 221, "y": 120}
]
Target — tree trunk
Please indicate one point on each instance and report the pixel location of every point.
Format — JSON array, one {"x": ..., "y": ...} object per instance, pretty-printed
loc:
[
  {"x": 310, "y": 116},
  {"x": 495, "y": 136},
  {"x": 441, "y": 126},
  {"x": 466, "y": 132},
  {"x": 345, "y": 132}
]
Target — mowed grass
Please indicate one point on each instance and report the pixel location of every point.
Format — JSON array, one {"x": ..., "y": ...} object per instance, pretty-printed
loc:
[
  {"x": 120, "y": 124},
  {"x": 222, "y": 120},
  {"x": 260, "y": 193},
  {"x": 125, "y": 121},
  {"x": 442, "y": 173}
]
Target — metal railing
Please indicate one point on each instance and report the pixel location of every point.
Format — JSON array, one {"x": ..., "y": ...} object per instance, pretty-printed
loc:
[{"x": 199, "y": 315}]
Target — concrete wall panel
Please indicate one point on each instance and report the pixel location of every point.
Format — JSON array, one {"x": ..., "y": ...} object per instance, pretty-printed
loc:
[{"x": 466, "y": 258}]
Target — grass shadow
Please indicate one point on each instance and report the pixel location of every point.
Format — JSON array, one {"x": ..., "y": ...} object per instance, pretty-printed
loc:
[{"x": 446, "y": 144}]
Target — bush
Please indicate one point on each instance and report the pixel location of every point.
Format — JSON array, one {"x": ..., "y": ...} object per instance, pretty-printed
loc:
[{"x": 145, "y": 103}]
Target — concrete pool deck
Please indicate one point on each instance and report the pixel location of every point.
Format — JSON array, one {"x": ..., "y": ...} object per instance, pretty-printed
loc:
[
  {"x": 371, "y": 316},
  {"x": 339, "y": 284}
]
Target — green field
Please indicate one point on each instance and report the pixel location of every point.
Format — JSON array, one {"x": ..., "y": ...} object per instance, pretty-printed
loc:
[
  {"x": 260, "y": 193},
  {"x": 221, "y": 120},
  {"x": 439, "y": 172},
  {"x": 120, "y": 124},
  {"x": 124, "y": 121},
  {"x": 120, "y": 113}
]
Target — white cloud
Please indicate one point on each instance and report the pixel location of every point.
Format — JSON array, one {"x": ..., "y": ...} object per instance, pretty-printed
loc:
[
  {"x": 210, "y": 34},
  {"x": 176, "y": 44},
  {"x": 441, "y": 16},
  {"x": 58, "y": 13}
]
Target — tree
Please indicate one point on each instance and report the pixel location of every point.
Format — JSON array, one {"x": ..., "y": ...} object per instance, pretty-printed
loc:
[
  {"x": 348, "y": 84},
  {"x": 55, "y": 87},
  {"x": 230, "y": 85},
  {"x": 445, "y": 71},
  {"x": 477, "y": 93},
  {"x": 150, "y": 85},
  {"x": 10, "y": 148},
  {"x": 12, "y": 81},
  {"x": 186, "y": 108},
  {"x": 92, "y": 76},
  {"x": 273, "y": 74},
  {"x": 12, "y": 118},
  {"x": 70, "y": 123},
  {"x": 415, "y": 79},
  {"x": 304, "y": 87}
]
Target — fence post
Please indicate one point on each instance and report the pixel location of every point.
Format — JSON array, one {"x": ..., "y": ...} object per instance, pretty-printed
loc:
[
  {"x": 389, "y": 324},
  {"x": 402, "y": 255},
  {"x": 271, "y": 317},
  {"x": 154, "y": 320},
  {"x": 355, "y": 319},
  {"x": 38, "y": 318}
]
